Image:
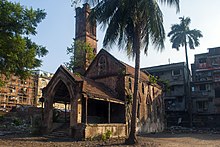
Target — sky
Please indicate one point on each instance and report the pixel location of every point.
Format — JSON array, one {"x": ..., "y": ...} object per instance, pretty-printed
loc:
[{"x": 57, "y": 31}]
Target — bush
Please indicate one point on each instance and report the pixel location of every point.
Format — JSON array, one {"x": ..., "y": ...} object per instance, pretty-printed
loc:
[
  {"x": 2, "y": 118},
  {"x": 106, "y": 135},
  {"x": 17, "y": 122}
]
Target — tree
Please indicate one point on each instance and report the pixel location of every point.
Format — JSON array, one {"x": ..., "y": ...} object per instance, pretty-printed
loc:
[
  {"x": 77, "y": 53},
  {"x": 181, "y": 35},
  {"x": 132, "y": 25},
  {"x": 18, "y": 53}
]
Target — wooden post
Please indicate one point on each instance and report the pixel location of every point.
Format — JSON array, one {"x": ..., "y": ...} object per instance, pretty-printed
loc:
[
  {"x": 109, "y": 113},
  {"x": 65, "y": 111}
]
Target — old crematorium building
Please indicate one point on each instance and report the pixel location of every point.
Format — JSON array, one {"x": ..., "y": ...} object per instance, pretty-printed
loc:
[{"x": 99, "y": 98}]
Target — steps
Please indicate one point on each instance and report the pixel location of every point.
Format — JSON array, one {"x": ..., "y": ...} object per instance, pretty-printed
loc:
[{"x": 60, "y": 132}]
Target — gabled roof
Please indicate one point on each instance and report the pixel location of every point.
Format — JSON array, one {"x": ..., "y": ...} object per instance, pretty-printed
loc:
[
  {"x": 91, "y": 88},
  {"x": 103, "y": 51},
  {"x": 129, "y": 69},
  {"x": 64, "y": 70}
]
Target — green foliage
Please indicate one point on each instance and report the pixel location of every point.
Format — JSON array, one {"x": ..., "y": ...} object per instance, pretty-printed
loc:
[
  {"x": 106, "y": 135},
  {"x": 18, "y": 53},
  {"x": 77, "y": 53},
  {"x": 17, "y": 122},
  {"x": 181, "y": 35},
  {"x": 102, "y": 137},
  {"x": 166, "y": 85},
  {"x": 153, "y": 79},
  {"x": 129, "y": 99},
  {"x": 2, "y": 117}
]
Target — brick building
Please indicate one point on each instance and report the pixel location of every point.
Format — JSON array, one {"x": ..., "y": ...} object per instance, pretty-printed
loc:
[
  {"x": 206, "y": 88},
  {"x": 100, "y": 98},
  {"x": 16, "y": 91}
]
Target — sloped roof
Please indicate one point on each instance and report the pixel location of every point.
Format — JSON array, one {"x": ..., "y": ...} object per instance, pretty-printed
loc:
[
  {"x": 131, "y": 71},
  {"x": 96, "y": 90},
  {"x": 76, "y": 77}
]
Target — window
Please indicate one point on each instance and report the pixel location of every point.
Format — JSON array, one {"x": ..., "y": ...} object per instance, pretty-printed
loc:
[
  {"x": 202, "y": 87},
  {"x": 130, "y": 83},
  {"x": 202, "y": 106},
  {"x": 205, "y": 87},
  {"x": 179, "y": 99},
  {"x": 202, "y": 60},
  {"x": 217, "y": 92},
  {"x": 143, "y": 88},
  {"x": 153, "y": 91},
  {"x": 176, "y": 72},
  {"x": 102, "y": 65},
  {"x": 172, "y": 88},
  {"x": 149, "y": 104}
]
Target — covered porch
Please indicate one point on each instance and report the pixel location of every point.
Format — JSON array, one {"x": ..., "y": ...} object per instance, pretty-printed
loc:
[{"x": 93, "y": 109}]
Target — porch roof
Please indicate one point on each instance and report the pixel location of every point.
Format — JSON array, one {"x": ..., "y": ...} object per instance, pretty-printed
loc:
[{"x": 99, "y": 91}]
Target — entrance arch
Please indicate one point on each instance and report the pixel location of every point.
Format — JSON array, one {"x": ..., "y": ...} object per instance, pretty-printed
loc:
[{"x": 61, "y": 89}]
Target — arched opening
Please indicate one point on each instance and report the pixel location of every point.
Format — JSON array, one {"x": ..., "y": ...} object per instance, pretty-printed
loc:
[
  {"x": 61, "y": 104},
  {"x": 58, "y": 109}
]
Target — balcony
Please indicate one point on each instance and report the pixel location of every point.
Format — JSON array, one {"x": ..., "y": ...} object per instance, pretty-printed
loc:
[
  {"x": 202, "y": 65},
  {"x": 201, "y": 93}
]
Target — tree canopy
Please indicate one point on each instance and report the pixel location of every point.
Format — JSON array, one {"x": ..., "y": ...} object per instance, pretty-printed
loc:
[
  {"x": 18, "y": 53},
  {"x": 181, "y": 34}
]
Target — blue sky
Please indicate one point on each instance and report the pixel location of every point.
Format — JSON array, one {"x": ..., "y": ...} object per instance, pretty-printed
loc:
[{"x": 57, "y": 31}]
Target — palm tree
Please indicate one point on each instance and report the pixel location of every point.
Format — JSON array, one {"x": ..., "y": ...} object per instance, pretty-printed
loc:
[
  {"x": 132, "y": 25},
  {"x": 181, "y": 35}
]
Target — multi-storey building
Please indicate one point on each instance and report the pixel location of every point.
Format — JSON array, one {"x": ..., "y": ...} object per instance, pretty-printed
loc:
[
  {"x": 42, "y": 78},
  {"x": 175, "y": 98},
  {"x": 16, "y": 91},
  {"x": 206, "y": 88}
]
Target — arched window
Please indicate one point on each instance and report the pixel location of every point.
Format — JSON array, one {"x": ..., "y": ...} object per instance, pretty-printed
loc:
[
  {"x": 143, "y": 88},
  {"x": 130, "y": 83},
  {"x": 149, "y": 105},
  {"x": 102, "y": 65}
]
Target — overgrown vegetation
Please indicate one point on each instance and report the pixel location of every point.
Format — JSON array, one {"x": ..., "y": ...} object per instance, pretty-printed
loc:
[
  {"x": 77, "y": 53},
  {"x": 164, "y": 83},
  {"x": 102, "y": 137}
]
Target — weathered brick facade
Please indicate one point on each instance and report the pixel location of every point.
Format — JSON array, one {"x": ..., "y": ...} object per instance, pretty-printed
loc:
[{"x": 100, "y": 99}]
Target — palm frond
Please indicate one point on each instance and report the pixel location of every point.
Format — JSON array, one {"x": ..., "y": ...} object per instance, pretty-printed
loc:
[{"x": 174, "y": 3}]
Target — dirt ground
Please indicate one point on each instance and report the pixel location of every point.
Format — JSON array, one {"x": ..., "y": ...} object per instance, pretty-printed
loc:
[{"x": 150, "y": 140}]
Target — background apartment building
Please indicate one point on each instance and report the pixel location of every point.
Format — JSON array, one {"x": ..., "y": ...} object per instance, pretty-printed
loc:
[
  {"x": 175, "y": 99},
  {"x": 16, "y": 91},
  {"x": 206, "y": 88}
]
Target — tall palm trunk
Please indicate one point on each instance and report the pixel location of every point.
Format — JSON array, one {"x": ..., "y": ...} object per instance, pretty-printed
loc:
[
  {"x": 132, "y": 139},
  {"x": 188, "y": 89}
]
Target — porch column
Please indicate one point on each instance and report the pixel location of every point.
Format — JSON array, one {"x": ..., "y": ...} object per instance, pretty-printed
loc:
[
  {"x": 109, "y": 112},
  {"x": 65, "y": 112},
  {"x": 48, "y": 114},
  {"x": 73, "y": 111}
]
